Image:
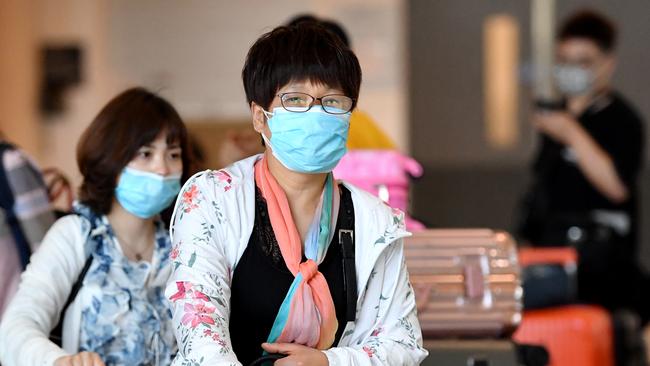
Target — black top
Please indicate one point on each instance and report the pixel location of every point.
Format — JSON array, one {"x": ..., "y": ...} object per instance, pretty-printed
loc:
[
  {"x": 562, "y": 188},
  {"x": 261, "y": 281}
]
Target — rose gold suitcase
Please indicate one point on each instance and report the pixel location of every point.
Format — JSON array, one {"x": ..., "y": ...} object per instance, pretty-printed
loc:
[{"x": 466, "y": 282}]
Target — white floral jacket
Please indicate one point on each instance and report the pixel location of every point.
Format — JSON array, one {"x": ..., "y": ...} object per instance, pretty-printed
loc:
[{"x": 214, "y": 217}]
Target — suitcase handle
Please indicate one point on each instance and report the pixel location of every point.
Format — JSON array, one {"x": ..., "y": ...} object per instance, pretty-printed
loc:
[{"x": 474, "y": 279}]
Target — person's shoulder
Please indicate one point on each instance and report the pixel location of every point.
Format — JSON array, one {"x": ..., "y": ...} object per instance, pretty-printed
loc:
[
  {"x": 65, "y": 240},
  {"x": 217, "y": 182},
  {"x": 216, "y": 186},
  {"x": 70, "y": 227},
  {"x": 13, "y": 157},
  {"x": 625, "y": 111},
  {"x": 7, "y": 146},
  {"x": 370, "y": 205},
  {"x": 360, "y": 197},
  {"x": 68, "y": 223}
]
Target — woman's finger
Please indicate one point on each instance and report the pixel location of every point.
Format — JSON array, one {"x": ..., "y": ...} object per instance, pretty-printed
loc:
[
  {"x": 76, "y": 360},
  {"x": 271, "y": 347},
  {"x": 86, "y": 359},
  {"x": 97, "y": 361},
  {"x": 284, "y": 348},
  {"x": 63, "y": 361},
  {"x": 287, "y": 361}
]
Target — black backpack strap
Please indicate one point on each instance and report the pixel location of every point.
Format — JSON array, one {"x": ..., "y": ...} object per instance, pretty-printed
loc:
[
  {"x": 7, "y": 204},
  {"x": 56, "y": 335},
  {"x": 346, "y": 240},
  {"x": 6, "y": 198}
]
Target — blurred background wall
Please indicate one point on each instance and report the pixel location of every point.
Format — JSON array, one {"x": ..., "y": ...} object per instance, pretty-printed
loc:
[
  {"x": 424, "y": 80},
  {"x": 191, "y": 52}
]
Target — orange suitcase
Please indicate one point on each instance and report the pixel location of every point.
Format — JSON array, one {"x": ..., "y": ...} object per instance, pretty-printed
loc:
[
  {"x": 576, "y": 335},
  {"x": 566, "y": 256}
]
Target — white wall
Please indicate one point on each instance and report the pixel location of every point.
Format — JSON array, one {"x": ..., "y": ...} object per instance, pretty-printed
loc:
[
  {"x": 192, "y": 52},
  {"x": 64, "y": 22}
]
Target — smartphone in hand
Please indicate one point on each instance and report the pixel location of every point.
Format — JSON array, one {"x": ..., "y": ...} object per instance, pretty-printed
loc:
[{"x": 550, "y": 105}]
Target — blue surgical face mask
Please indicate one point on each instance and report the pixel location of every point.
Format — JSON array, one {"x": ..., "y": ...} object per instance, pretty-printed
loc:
[
  {"x": 308, "y": 142},
  {"x": 145, "y": 194}
]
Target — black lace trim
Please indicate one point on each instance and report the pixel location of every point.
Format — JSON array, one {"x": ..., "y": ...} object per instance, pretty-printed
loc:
[{"x": 264, "y": 231}]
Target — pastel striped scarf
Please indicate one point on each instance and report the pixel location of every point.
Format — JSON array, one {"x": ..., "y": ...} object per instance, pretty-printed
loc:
[{"x": 307, "y": 315}]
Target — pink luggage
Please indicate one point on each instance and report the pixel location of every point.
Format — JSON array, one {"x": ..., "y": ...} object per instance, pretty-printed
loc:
[
  {"x": 384, "y": 173},
  {"x": 466, "y": 282}
]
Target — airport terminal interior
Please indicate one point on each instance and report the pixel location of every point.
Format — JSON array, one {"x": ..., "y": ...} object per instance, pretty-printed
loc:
[{"x": 340, "y": 182}]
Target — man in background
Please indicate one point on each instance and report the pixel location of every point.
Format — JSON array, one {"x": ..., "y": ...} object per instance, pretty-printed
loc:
[{"x": 587, "y": 167}]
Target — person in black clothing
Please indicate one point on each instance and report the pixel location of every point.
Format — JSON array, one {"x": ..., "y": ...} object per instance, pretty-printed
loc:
[{"x": 586, "y": 170}]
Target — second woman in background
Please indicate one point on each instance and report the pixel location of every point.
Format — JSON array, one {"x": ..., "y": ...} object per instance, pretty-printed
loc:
[{"x": 132, "y": 158}]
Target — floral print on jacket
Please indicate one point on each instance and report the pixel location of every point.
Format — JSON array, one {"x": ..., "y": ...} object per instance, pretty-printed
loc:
[{"x": 212, "y": 224}]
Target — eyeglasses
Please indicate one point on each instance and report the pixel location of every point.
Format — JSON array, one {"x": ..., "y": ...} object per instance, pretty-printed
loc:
[{"x": 302, "y": 102}]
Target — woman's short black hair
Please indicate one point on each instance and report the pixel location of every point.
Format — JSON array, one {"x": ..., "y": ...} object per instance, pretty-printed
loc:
[
  {"x": 305, "y": 51},
  {"x": 330, "y": 25},
  {"x": 590, "y": 25}
]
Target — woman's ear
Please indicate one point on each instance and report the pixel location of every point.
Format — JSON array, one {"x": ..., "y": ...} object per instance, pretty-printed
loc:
[{"x": 259, "y": 119}]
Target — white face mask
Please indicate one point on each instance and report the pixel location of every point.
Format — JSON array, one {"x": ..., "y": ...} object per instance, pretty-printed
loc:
[{"x": 573, "y": 80}]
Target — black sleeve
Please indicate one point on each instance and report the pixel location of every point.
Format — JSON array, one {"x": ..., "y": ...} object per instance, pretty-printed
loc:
[
  {"x": 547, "y": 155},
  {"x": 625, "y": 145}
]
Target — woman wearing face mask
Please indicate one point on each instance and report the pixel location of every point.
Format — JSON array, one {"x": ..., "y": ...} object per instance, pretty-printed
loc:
[
  {"x": 272, "y": 254},
  {"x": 115, "y": 246}
]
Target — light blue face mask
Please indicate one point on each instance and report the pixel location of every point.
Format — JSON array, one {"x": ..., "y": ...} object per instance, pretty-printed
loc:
[
  {"x": 145, "y": 194},
  {"x": 308, "y": 142}
]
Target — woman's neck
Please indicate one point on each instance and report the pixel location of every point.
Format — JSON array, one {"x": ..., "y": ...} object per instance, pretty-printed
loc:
[
  {"x": 133, "y": 232},
  {"x": 303, "y": 192},
  {"x": 296, "y": 185}
]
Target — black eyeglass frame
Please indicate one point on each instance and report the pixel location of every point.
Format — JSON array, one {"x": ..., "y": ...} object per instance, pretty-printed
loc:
[{"x": 313, "y": 102}]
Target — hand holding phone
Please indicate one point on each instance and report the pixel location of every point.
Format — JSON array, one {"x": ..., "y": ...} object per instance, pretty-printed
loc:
[{"x": 550, "y": 105}]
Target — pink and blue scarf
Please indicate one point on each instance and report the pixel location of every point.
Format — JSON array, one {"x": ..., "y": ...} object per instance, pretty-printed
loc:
[{"x": 307, "y": 315}]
